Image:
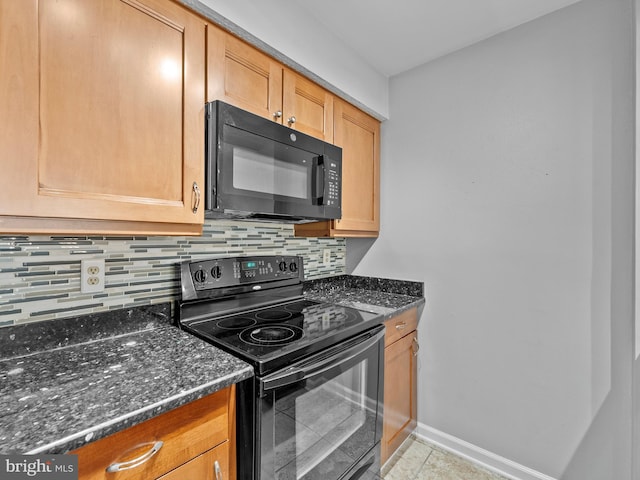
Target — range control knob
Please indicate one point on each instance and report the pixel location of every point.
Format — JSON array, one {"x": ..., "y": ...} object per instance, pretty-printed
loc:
[
  {"x": 216, "y": 272},
  {"x": 293, "y": 266},
  {"x": 200, "y": 276},
  {"x": 283, "y": 266}
]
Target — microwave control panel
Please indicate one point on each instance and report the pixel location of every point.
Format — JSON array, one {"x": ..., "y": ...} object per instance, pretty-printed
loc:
[{"x": 332, "y": 188}]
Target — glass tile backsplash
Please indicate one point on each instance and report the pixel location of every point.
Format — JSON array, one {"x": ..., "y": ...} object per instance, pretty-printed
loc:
[{"x": 40, "y": 275}]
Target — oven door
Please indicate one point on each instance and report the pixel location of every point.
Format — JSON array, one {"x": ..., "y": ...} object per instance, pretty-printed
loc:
[{"x": 321, "y": 418}]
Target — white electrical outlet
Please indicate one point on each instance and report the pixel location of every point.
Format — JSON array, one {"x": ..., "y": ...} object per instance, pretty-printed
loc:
[
  {"x": 92, "y": 275},
  {"x": 326, "y": 255}
]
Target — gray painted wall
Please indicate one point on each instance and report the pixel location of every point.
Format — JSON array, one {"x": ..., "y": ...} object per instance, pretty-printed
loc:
[{"x": 507, "y": 187}]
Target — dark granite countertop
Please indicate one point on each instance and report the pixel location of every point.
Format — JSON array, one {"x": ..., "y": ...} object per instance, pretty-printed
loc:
[
  {"x": 386, "y": 297},
  {"x": 65, "y": 383}
]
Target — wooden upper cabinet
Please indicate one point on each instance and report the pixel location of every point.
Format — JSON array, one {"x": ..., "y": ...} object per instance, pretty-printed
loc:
[
  {"x": 359, "y": 136},
  {"x": 102, "y": 116},
  {"x": 307, "y": 107},
  {"x": 242, "y": 75}
]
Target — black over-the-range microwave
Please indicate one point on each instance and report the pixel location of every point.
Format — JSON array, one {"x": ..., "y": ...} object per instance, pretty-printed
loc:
[{"x": 261, "y": 170}]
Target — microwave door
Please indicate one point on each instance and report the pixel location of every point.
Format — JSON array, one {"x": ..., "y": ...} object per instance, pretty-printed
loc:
[
  {"x": 258, "y": 174},
  {"x": 258, "y": 169}
]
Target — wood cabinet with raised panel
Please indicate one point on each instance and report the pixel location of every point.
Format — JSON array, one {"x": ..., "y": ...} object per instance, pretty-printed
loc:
[
  {"x": 101, "y": 116},
  {"x": 211, "y": 465},
  {"x": 400, "y": 381},
  {"x": 193, "y": 441},
  {"x": 241, "y": 75},
  {"x": 307, "y": 107},
  {"x": 359, "y": 136}
]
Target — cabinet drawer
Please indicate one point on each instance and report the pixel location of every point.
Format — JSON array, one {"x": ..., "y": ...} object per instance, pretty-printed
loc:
[
  {"x": 400, "y": 325},
  {"x": 185, "y": 433},
  {"x": 211, "y": 465}
]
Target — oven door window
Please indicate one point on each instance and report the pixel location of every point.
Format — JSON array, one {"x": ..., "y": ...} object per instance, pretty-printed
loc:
[{"x": 321, "y": 426}]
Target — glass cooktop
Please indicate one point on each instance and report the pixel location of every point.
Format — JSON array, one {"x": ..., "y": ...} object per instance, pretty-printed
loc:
[{"x": 274, "y": 336}]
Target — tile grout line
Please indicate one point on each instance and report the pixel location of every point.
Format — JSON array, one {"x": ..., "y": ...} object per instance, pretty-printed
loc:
[{"x": 426, "y": 460}]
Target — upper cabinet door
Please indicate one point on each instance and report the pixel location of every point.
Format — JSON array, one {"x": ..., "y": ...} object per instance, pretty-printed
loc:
[
  {"x": 359, "y": 136},
  {"x": 102, "y": 105},
  {"x": 307, "y": 106},
  {"x": 243, "y": 76}
]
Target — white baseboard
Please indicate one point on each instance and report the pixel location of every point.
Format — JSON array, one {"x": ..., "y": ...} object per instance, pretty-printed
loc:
[{"x": 477, "y": 455}]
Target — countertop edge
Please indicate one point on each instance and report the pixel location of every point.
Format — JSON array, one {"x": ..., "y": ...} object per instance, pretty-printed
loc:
[
  {"x": 419, "y": 304},
  {"x": 130, "y": 419}
]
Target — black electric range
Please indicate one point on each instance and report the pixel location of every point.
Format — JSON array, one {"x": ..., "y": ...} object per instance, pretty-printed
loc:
[
  {"x": 319, "y": 368},
  {"x": 253, "y": 307}
]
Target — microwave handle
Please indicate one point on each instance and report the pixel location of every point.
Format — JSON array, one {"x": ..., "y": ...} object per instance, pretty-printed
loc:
[
  {"x": 317, "y": 186},
  {"x": 294, "y": 375}
]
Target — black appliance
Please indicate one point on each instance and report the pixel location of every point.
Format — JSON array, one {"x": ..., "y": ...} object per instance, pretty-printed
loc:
[
  {"x": 313, "y": 410},
  {"x": 258, "y": 169}
]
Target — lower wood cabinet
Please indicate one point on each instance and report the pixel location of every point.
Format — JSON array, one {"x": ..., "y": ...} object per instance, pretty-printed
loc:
[
  {"x": 211, "y": 465},
  {"x": 400, "y": 381},
  {"x": 193, "y": 441}
]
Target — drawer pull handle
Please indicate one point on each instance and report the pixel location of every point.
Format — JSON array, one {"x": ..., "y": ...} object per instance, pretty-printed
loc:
[
  {"x": 401, "y": 326},
  {"x": 417, "y": 346},
  {"x": 217, "y": 470},
  {"x": 118, "y": 467}
]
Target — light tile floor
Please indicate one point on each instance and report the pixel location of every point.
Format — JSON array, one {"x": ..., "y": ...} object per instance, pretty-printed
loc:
[{"x": 417, "y": 460}]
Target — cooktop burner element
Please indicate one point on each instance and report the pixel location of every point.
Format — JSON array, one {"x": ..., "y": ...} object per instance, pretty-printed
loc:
[
  {"x": 236, "y": 322},
  {"x": 255, "y": 309},
  {"x": 271, "y": 335},
  {"x": 278, "y": 315}
]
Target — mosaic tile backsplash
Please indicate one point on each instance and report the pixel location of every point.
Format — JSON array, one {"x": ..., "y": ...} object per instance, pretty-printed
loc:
[{"x": 40, "y": 275}]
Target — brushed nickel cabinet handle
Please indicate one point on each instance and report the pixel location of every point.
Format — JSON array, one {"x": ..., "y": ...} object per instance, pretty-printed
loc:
[
  {"x": 278, "y": 114},
  {"x": 118, "y": 467},
  {"x": 217, "y": 470},
  {"x": 291, "y": 120},
  {"x": 196, "y": 202},
  {"x": 417, "y": 346},
  {"x": 401, "y": 325}
]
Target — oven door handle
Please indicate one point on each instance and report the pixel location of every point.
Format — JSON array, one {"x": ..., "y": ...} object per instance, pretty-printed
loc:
[{"x": 331, "y": 359}]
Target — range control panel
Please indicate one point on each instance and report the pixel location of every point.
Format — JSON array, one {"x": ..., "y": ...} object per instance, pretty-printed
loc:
[{"x": 229, "y": 272}]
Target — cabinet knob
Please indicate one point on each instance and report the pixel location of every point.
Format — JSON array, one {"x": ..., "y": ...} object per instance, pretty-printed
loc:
[
  {"x": 291, "y": 120},
  {"x": 196, "y": 197},
  {"x": 217, "y": 470},
  {"x": 278, "y": 114}
]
